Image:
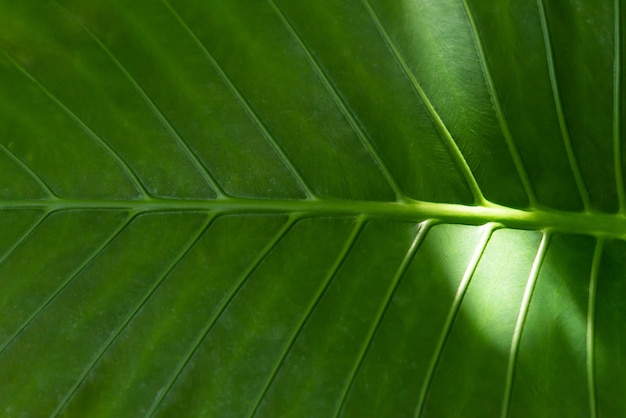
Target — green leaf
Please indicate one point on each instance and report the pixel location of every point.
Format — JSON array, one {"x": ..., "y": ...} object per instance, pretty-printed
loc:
[{"x": 312, "y": 209}]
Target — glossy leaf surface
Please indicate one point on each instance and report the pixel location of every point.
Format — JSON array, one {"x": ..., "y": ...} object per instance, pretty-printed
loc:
[{"x": 333, "y": 208}]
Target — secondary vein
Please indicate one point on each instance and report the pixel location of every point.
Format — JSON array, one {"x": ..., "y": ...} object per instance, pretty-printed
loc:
[
  {"x": 109, "y": 342},
  {"x": 521, "y": 319},
  {"x": 27, "y": 234},
  {"x": 341, "y": 103},
  {"x": 167, "y": 387},
  {"x": 341, "y": 257},
  {"x": 291, "y": 167},
  {"x": 454, "y": 309},
  {"x": 31, "y": 173},
  {"x": 128, "y": 171},
  {"x": 458, "y": 156},
  {"x": 69, "y": 280},
  {"x": 408, "y": 257},
  {"x": 171, "y": 130},
  {"x": 591, "y": 330},
  {"x": 617, "y": 106},
  {"x": 504, "y": 126},
  {"x": 571, "y": 156}
]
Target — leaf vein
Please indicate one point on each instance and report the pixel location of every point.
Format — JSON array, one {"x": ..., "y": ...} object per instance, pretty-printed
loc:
[
  {"x": 109, "y": 342},
  {"x": 457, "y": 155},
  {"x": 572, "y": 222},
  {"x": 454, "y": 309},
  {"x": 567, "y": 142},
  {"x": 66, "y": 283},
  {"x": 591, "y": 330},
  {"x": 186, "y": 358},
  {"x": 343, "y": 254},
  {"x": 342, "y": 104},
  {"x": 521, "y": 319},
  {"x": 128, "y": 171},
  {"x": 174, "y": 134},
  {"x": 31, "y": 173},
  {"x": 289, "y": 164},
  {"x": 417, "y": 241},
  {"x": 617, "y": 107},
  {"x": 504, "y": 126},
  {"x": 24, "y": 236}
]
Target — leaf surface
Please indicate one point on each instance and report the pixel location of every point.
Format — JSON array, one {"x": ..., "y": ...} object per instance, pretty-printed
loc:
[{"x": 270, "y": 208}]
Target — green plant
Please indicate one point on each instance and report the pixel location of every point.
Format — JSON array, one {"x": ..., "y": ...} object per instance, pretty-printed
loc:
[{"x": 281, "y": 208}]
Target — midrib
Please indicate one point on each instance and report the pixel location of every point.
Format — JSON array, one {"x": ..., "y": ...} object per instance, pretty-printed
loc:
[{"x": 574, "y": 222}]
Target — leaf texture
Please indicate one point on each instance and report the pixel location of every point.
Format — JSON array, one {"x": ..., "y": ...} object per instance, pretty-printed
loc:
[{"x": 275, "y": 209}]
